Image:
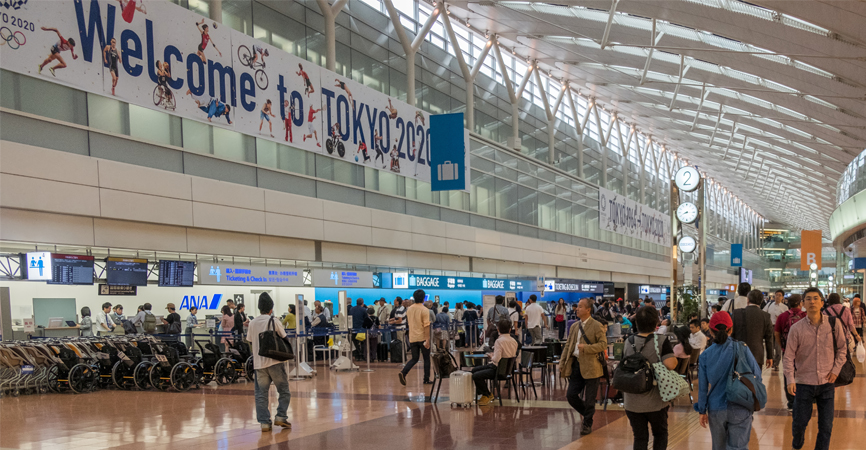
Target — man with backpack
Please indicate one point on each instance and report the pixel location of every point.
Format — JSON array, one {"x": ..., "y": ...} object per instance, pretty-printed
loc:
[
  {"x": 145, "y": 321},
  {"x": 782, "y": 327},
  {"x": 741, "y": 301},
  {"x": 172, "y": 320},
  {"x": 817, "y": 348},
  {"x": 580, "y": 363},
  {"x": 494, "y": 315}
]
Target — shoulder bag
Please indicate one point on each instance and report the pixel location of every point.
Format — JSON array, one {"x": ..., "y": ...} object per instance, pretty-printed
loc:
[
  {"x": 272, "y": 345},
  {"x": 671, "y": 384},
  {"x": 599, "y": 355},
  {"x": 849, "y": 371},
  {"x": 743, "y": 387}
]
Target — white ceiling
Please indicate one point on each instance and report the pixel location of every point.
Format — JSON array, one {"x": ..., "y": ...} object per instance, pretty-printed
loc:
[{"x": 788, "y": 76}]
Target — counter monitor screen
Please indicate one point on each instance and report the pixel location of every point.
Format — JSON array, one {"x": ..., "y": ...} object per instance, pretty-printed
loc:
[
  {"x": 126, "y": 271},
  {"x": 71, "y": 269},
  {"x": 176, "y": 273}
]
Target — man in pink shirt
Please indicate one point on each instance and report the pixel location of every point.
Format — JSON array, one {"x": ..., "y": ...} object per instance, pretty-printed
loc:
[{"x": 811, "y": 368}]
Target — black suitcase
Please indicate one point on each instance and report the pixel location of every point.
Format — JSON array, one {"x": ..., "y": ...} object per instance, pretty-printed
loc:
[
  {"x": 396, "y": 351},
  {"x": 382, "y": 352}
]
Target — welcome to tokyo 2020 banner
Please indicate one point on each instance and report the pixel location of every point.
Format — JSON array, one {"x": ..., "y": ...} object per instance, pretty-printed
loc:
[
  {"x": 621, "y": 215},
  {"x": 158, "y": 55}
]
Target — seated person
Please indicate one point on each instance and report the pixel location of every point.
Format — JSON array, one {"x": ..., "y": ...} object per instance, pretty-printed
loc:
[
  {"x": 697, "y": 339},
  {"x": 683, "y": 349},
  {"x": 504, "y": 347}
]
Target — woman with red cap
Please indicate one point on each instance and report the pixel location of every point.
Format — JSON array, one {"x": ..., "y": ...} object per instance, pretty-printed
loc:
[{"x": 730, "y": 424}]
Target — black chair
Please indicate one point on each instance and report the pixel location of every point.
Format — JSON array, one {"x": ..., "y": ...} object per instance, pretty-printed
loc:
[
  {"x": 525, "y": 369},
  {"x": 683, "y": 370},
  {"x": 505, "y": 372},
  {"x": 693, "y": 367}
]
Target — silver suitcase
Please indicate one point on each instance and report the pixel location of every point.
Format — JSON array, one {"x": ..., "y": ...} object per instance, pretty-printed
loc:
[{"x": 461, "y": 389}]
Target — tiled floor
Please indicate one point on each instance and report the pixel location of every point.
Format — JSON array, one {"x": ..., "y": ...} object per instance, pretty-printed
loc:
[{"x": 355, "y": 410}]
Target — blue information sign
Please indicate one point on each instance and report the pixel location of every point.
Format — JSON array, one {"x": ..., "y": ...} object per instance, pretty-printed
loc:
[
  {"x": 736, "y": 255},
  {"x": 447, "y": 153},
  {"x": 413, "y": 281}
]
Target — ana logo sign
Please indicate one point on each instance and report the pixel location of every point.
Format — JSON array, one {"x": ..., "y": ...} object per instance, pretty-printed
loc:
[{"x": 200, "y": 301}]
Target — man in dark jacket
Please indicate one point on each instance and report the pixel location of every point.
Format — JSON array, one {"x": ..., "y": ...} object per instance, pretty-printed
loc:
[{"x": 752, "y": 326}]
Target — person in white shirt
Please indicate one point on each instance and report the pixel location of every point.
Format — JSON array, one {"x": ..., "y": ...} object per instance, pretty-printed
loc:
[
  {"x": 535, "y": 320},
  {"x": 775, "y": 309},
  {"x": 307, "y": 313},
  {"x": 741, "y": 301},
  {"x": 104, "y": 323},
  {"x": 697, "y": 339},
  {"x": 269, "y": 370}
]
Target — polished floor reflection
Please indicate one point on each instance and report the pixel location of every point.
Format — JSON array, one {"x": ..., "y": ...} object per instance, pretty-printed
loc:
[{"x": 357, "y": 410}]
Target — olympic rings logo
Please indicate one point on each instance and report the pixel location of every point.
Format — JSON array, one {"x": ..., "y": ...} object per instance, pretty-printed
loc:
[{"x": 15, "y": 40}]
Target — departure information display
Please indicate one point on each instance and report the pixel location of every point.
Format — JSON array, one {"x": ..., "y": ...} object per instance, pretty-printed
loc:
[
  {"x": 176, "y": 273},
  {"x": 71, "y": 269},
  {"x": 126, "y": 271}
]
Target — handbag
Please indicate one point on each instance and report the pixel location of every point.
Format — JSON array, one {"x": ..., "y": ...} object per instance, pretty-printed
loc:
[
  {"x": 743, "y": 387},
  {"x": 848, "y": 371},
  {"x": 272, "y": 345},
  {"x": 671, "y": 384},
  {"x": 600, "y": 355},
  {"x": 559, "y": 318}
]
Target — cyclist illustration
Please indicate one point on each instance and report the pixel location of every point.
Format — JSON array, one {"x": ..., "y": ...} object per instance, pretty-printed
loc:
[
  {"x": 310, "y": 118},
  {"x": 342, "y": 85},
  {"x": 377, "y": 145},
  {"x": 362, "y": 147},
  {"x": 335, "y": 141},
  {"x": 308, "y": 85},
  {"x": 255, "y": 59},
  {"x": 61, "y": 46},
  {"x": 391, "y": 108},
  {"x": 266, "y": 115},
  {"x": 288, "y": 113},
  {"x": 162, "y": 95},
  {"x": 205, "y": 38},
  {"x": 212, "y": 106},
  {"x": 110, "y": 55},
  {"x": 129, "y": 7}
]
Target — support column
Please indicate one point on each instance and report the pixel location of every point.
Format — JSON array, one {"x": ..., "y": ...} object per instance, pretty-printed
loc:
[
  {"x": 469, "y": 74},
  {"x": 410, "y": 47},
  {"x": 330, "y": 15},
  {"x": 215, "y": 10}
]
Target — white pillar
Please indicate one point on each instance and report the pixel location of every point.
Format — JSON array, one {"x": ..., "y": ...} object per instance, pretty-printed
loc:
[{"x": 215, "y": 11}]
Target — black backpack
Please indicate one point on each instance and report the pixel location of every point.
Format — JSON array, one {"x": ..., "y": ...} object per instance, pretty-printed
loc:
[
  {"x": 634, "y": 374},
  {"x": 128, "y": 327}
]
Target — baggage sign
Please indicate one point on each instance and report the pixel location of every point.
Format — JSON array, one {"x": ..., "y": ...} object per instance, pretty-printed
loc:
[{"x": 449, "y": 153}]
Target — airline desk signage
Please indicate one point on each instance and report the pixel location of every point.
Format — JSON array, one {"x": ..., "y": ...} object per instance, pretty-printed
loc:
[{"x": 237, "y": 275}]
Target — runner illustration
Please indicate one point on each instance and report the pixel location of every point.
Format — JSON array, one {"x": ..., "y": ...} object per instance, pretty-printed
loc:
[
  {"x": 377, "y": 145},
  {"x": 266, "y": 112},
  {"x": 212, "y": 106},
  {"x": 162, "y": 94},
  {"x": 342, "y": 85},
  {"x": 395, "y": 158},
  {"x": 61, "y": 46},
  {"x": 308, "y": 85},
  {"x": 129, "y": 7},
  {"x": 310, "y": 118},
  {"x": 420, "y": 115},
  {"x": 205, "y": 38},
  {"x": 393, "y": 114},
  {"x": 110, "y": 55},
  {"x": 288, "y": 113},
  {"x": 362, "y": 147}
]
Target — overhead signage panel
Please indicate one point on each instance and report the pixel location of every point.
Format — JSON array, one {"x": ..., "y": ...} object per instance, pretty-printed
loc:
[
  {"x": 621, "y": 215},
  {"x": 240, "y": 275},
  {"x": 342, "y": 278},
  {"x": 589, "y": 287},
  {"x": 413, "y": 281}
]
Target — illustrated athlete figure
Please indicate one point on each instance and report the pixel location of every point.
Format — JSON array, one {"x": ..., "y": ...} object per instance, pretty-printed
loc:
[
  {"x": 395, "y": 158},
  {"x": 61, "y": 46},
  {"x": 343, "y": 86},
  {"x": 362, "y": 147},
  {"x": 393, "y": 114},
  {"x": 259, "y": 51},
  {"x": 308, "y": 85},
  {"x": 129, "y": 7},
  {"x": 288, "y": 113},
  {"x": 266, "y": 111},
  {"x": 163, "y": 74},
  {"x": 111, "y": 54},
  {"x": 313, "y": 133},
  {"x": 205, "y": 38},
  {"x": 420, "y": 115},
  {"x": 212, "y": 106},
  {"x": 377, "y": 145}
]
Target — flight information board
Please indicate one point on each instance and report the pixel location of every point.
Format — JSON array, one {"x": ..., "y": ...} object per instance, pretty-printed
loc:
[
  {"x": 176, "y": 273},
  {"x": 71, "y": 269},
  {"x": 126, "y": 271}
]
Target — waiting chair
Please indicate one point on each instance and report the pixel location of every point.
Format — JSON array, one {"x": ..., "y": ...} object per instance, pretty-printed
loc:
[
  {"x": 693, "y": 367},
  {"x": 683, "y": 370},
  {"x": 505, "y": 372},
  {"x": 525, "y": 369}
]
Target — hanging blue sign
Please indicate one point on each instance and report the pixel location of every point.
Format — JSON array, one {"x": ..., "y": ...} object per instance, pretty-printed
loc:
[
  {"x": 449, "y": 155},
  {"x": 412, "y": 281},
  {"x": 736, "y": 255}
]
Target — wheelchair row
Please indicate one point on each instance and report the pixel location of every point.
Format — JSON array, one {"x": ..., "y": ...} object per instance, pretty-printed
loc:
[{"x": 141, "y": 362}]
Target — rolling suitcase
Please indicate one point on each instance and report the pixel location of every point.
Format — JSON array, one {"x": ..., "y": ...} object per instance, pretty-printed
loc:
[
  {"x": 396, "y": 351},
  {"x": 461, "y": 389}
]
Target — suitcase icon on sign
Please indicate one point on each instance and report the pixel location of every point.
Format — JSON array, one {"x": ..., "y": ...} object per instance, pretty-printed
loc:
[{"x": 448, "y": 171}]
